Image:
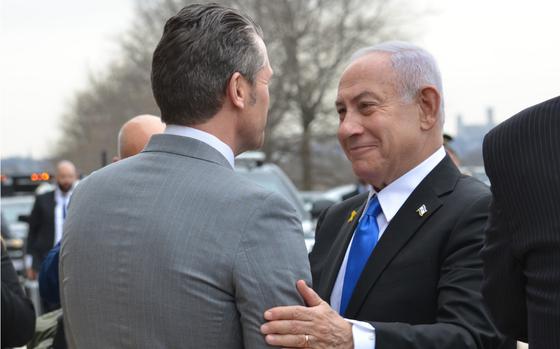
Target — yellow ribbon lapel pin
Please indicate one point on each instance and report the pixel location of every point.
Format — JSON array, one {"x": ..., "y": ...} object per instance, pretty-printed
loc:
[{"x": 352, "y": 216}]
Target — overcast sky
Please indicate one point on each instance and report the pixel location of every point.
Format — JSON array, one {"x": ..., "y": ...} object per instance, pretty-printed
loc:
[{"x": 500, "y": 53}]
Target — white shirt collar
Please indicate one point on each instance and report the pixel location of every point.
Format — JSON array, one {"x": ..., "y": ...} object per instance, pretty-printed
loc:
[
  {"x": 393, "y": 196},
  {"x": 205, "y": 137}
]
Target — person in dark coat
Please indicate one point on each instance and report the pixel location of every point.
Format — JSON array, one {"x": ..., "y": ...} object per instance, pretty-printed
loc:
[
  {"x": 48, "y": 215},
  {"x": 521, "y": 252},
  {"x": 18, "y": 314}
]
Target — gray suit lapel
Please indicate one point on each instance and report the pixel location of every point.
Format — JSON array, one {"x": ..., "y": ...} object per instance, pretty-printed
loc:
[{"x": 185, "y": 146}]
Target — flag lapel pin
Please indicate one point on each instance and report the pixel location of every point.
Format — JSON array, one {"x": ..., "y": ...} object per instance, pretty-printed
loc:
[{"x": 422, "y": 210}]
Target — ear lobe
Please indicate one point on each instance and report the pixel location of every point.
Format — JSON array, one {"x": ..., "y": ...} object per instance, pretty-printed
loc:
[
  {"x": 429, "y": 101},
  {"x": 236, "y": 90}
]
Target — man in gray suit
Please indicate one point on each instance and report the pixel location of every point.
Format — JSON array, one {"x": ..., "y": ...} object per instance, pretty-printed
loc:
[{"x": 170, "y": 248}]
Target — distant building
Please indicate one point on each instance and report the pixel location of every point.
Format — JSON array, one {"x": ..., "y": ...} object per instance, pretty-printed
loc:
[{"x": 468, "y": 141}]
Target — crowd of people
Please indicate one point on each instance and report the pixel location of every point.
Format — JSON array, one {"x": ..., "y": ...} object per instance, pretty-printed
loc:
[{"x": 169, "y": 248}]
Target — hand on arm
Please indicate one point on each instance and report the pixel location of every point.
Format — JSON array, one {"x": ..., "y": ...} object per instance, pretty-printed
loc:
[{"x": 315, "y": 326}]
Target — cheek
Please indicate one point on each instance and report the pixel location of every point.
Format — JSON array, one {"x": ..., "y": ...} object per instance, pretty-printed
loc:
[
  {"x": 340, "y": 139},
  {"x": 343, "y": 141}
]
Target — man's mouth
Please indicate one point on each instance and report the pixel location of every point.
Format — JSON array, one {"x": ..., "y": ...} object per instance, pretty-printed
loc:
[{"x": 360, "y": 148}]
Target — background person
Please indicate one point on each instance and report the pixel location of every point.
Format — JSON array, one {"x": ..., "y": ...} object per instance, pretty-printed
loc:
[
  {"x": 135, "y": 134},
  {"x": 48, "y": 215},
  {"x": 18, "y": 314},
  {"x": 522, "y": 248}
]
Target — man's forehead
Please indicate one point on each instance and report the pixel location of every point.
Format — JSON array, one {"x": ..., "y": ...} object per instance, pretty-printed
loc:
[
  {"x": 369, "y": 60},
  {"x": 65, "y": 166},
  {"x": 366, "y": 76},
  {"x": 354, "y": 95}
]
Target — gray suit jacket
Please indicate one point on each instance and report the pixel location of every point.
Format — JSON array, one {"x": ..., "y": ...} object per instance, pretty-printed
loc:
[{"x": 172, "y": 249}]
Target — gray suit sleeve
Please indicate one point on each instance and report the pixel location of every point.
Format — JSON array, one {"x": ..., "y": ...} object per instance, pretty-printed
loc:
[{"x": 270, "y": 258}]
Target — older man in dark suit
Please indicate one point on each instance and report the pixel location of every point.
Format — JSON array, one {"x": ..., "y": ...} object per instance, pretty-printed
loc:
[
  {"x": 402, "y": 261},
  {"x": 522, "y": 249}
]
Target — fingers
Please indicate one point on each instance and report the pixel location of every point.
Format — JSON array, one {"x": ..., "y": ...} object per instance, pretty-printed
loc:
[
  {"x": 288, "y": 313},
  {"x": 310, "y": 297},
  {"x": 286, "y": 327},
  {"x": 289, "y": 340}
]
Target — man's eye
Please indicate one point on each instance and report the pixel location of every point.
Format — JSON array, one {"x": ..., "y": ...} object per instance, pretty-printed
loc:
[
  {"x": 366, "y": 105},
  {"x": 341, "y": 112}
]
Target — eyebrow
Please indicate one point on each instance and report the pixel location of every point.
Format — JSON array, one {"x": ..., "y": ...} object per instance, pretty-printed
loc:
[{"x": 339, "y": 103}]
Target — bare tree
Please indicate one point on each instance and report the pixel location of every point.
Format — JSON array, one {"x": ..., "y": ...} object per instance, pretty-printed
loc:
[
  {"x": 90, "y": 127},
  {"x": 309, "y": 41}
]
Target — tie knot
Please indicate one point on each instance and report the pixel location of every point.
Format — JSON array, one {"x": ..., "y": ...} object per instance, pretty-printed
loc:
[{"x": 374, "y": 208}]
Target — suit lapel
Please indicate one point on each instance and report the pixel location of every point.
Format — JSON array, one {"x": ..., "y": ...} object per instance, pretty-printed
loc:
[
  {"x": 50, "y": 203},
  {"x": 402, "y": 228},
  {"x": 338, "y": 251}
]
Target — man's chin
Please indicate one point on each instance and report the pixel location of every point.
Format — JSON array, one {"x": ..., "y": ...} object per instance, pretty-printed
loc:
[
  {"x": 64, "y": 189},
  {"x": 365, "y": 172}
]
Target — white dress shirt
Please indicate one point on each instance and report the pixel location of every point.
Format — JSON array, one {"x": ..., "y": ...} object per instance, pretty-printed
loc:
[
  {"x": 205, "y": 137},
  {"x": 391, "y": 198},
  {"x": 60, "y": 209}
]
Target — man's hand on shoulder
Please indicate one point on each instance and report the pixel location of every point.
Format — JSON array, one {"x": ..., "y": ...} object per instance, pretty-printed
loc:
[{"x": 315, "y": 326}]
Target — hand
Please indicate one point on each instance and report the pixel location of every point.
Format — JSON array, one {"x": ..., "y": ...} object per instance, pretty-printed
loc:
[
  {"x": 315, "y": 326},
  {"x": 31, "y": 274}
]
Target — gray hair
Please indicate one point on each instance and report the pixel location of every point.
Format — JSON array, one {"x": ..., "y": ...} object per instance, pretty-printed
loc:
[{"x": 414, "y": 67}]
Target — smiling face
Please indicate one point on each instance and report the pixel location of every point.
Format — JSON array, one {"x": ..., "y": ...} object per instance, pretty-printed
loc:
[{"x": 379, "y": 131}]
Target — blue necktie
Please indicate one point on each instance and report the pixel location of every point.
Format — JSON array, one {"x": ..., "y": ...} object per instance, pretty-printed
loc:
[{"x": 365, "y": 239}]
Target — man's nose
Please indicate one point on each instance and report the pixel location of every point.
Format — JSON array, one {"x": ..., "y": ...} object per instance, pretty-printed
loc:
[{"x": 349, "y": 126}]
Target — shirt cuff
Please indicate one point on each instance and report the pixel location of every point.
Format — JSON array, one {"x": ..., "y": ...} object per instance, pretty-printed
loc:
[{"x": 363, "y": 334}]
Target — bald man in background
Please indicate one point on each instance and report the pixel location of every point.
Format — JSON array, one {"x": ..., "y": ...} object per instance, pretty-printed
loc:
[{"x": 135, "y": 134}]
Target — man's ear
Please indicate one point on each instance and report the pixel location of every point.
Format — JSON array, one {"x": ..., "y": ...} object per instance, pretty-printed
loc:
[
  {"x": 237, "y": 90},
  {"x": 429, "y": 102}
]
